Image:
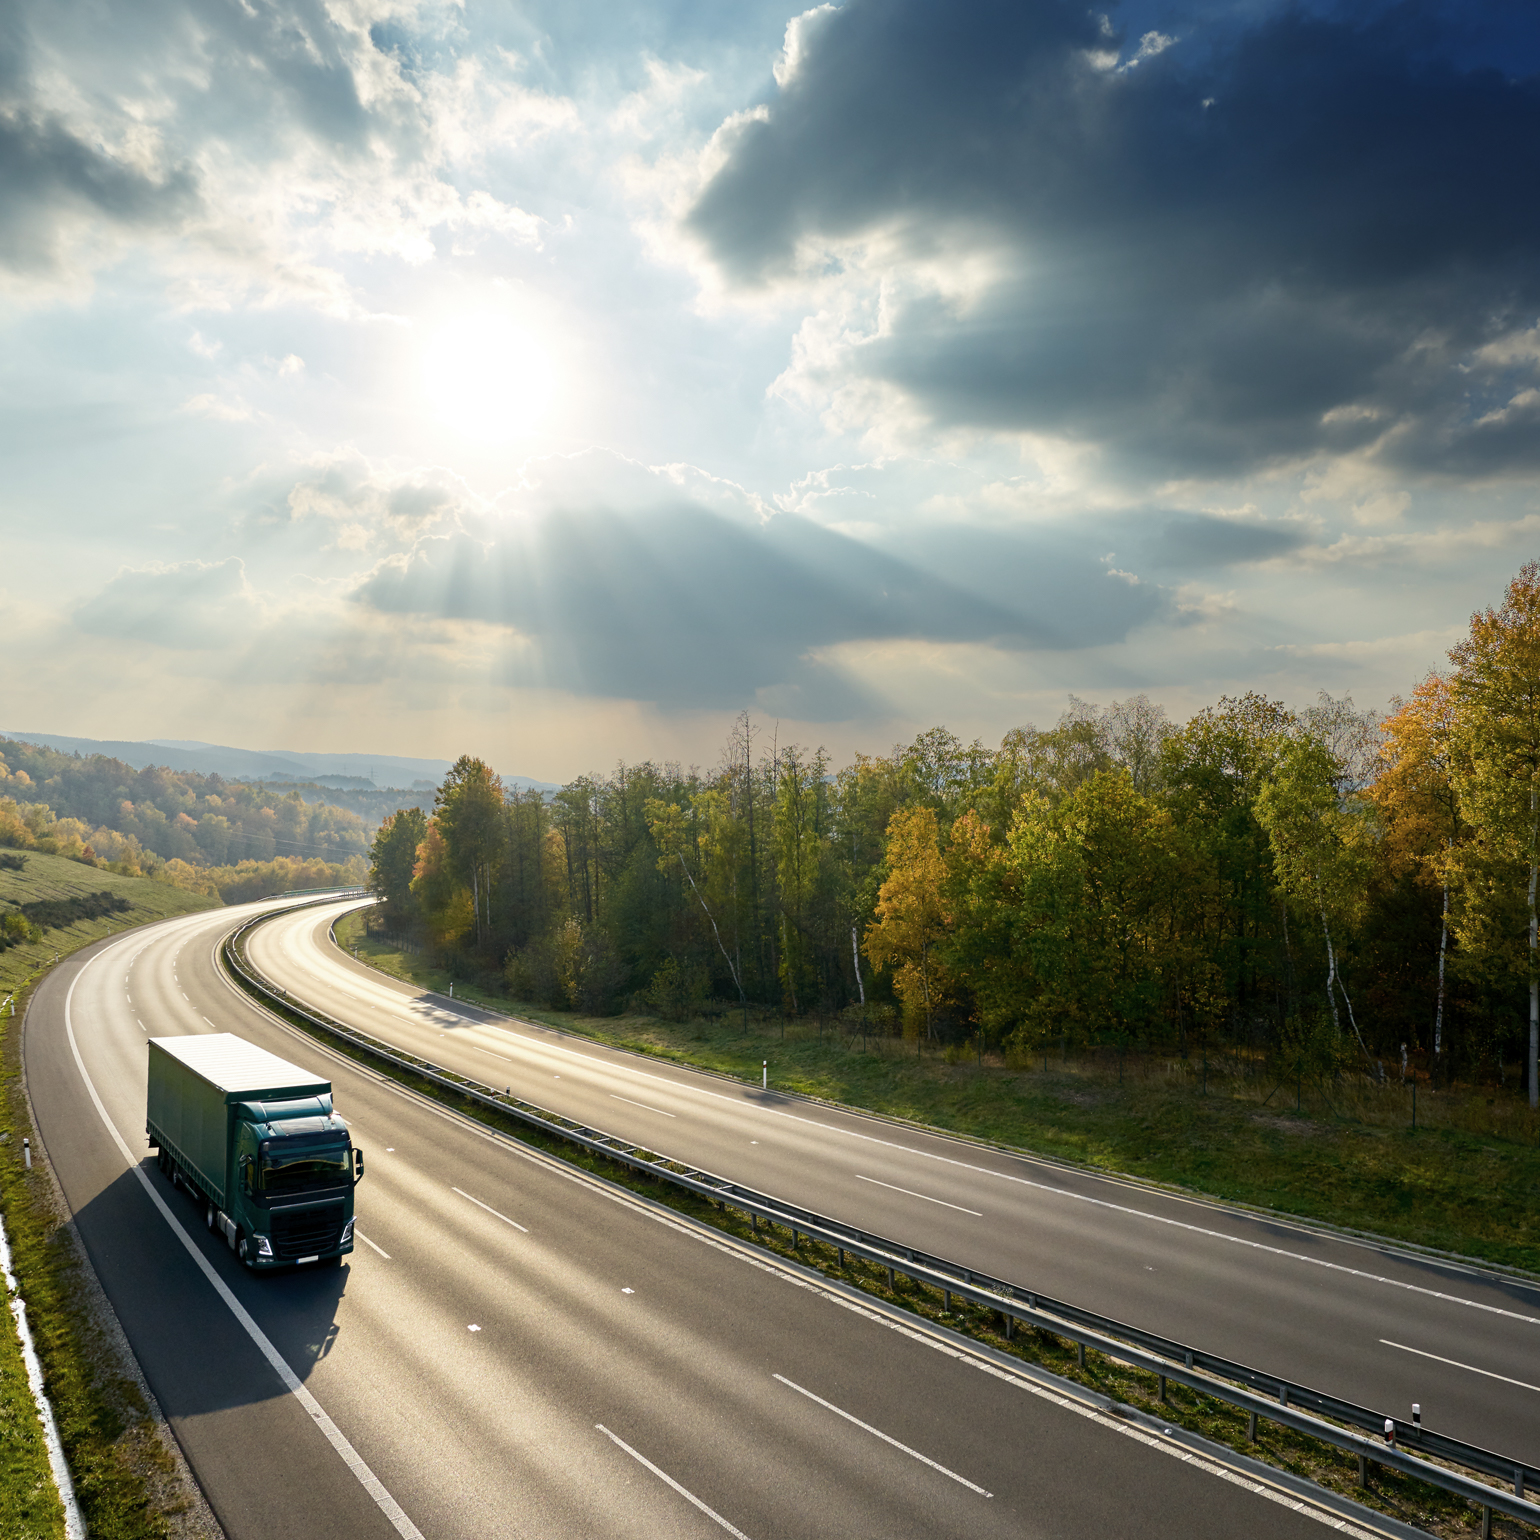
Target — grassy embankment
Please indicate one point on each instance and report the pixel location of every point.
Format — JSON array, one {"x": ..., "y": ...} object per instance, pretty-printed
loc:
[
  {"x": 1413, "y": 1502},
  {"x": 123, "y": 1477},
  {"x": 1466, "y": 1181}
]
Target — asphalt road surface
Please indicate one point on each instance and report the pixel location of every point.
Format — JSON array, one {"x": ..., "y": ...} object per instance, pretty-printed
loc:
[
  {"x": 1369, "y": 1323},
  {"x": 517, "y": 1350}
]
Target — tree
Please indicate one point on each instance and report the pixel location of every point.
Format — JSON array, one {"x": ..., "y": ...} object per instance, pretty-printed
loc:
[
  {"x": 912, "y": 914},
  {"x": 468, "y": 813},
  {"x": 1496, "y": 776},
  {"x": 1418, "y": 806},
  {"x": 1319, "y": 848},
  {"x": 392, "y": 860}
]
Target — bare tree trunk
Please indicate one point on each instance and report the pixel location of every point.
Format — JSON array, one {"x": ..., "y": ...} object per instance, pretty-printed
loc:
[
  {"x": 855, "y": 957},
  {"x": 1438, "y": 1015},
  {"x": 1534, "y": 980}
]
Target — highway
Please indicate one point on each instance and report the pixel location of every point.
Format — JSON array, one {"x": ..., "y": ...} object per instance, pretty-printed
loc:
[
  {"x": 1367, "y": 1322},
  {"x": 516, "y": 1349}
]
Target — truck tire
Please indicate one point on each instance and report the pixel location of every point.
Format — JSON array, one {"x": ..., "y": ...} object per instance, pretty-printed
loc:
[
  {"x": 242, "y": 1248},
  {"x": 208, "y": 1217}
]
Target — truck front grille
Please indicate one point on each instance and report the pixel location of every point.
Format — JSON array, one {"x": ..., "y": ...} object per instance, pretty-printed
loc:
[{"x": 307, "y": 1232}]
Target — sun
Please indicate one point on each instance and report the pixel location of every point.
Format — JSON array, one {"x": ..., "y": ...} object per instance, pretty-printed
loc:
[{"x": 490, "y": 375}]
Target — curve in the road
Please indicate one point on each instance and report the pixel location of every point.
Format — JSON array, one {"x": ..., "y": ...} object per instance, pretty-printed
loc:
[
  {"x": 520, "y": 1349},
  {"x": 1315, "y": 1307}
]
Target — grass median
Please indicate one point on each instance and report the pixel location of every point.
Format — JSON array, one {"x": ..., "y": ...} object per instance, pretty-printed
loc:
[{"x": 1466, "y": 1180}]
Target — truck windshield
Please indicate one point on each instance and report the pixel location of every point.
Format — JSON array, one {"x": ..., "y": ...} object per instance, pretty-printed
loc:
[{"x": 304, "y": 1165}]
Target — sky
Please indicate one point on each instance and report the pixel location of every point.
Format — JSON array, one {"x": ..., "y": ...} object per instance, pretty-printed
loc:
[{"x": 554, "y": 381}]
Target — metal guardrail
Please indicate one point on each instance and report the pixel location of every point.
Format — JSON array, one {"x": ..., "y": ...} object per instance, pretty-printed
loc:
[{"x": 1262, "y": 1395}]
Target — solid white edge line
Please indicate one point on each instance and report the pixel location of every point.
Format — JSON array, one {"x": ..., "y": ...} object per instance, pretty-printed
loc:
[
  {"x": 492, "y": 1211},
  {"x": 663, "y": 1475},
  {"x": 910, "y": 1193},
  {"x": 359, "y": 1235},
  {"x": 1455, "y": 1363},
  {"x": 291, "y": 1382},
  {"x": 886, "y": 1438},
  {"x": 74, "y": 1524},
  {"x": 642, "y": 1105}
]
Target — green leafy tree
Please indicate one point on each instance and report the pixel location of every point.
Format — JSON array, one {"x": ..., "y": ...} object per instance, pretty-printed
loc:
[
  {"x": 392, "y": 860},
  {"x": 468, "y": 814}
]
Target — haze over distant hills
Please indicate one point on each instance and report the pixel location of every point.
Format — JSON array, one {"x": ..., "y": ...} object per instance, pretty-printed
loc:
[{"x": 341, "y": 770}]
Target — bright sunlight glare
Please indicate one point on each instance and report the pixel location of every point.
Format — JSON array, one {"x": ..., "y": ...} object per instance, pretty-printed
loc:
[{"x": 490, "y": 376}]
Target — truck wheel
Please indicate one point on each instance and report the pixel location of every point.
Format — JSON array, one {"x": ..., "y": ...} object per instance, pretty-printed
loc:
[
  {"x": 243, "y": 1250},
  {"x": 208, "y": 1217}
]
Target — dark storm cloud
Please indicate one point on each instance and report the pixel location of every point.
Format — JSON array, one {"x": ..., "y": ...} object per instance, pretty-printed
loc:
[
  {"x": 683, "y": 607},
  {"x": 1196, "y": 540},
  {"x": 1281, "y": 235}
]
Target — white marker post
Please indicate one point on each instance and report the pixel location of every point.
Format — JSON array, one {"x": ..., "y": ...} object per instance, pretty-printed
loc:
[
  {"x": 26, "y": 1152},
  {"x": 765, "y": 1075}
]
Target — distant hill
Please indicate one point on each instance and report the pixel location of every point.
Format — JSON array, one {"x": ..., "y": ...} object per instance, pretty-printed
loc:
[{"x": 351, "y": 771}]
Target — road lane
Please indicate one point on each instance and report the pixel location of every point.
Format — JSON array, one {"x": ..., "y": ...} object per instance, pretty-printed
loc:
[
  {"x": 1279, "y": 1296},
  {"x": 592, "y": 1309}
]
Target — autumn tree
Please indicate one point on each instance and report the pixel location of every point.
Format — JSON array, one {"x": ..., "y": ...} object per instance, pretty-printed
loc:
[
  {"x": 1419, "y": 810},
  {"x": 1496, "y": 774},
  {"x": 912, "y": 914}
]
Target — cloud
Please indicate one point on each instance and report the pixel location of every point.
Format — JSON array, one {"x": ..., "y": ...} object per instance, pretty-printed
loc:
[
  {"x": 1201, "y": 540},
  {"x": 1285, "y": 234},
  {"x": 668, "y": 600},
  {"x": 189, "y": 606}
]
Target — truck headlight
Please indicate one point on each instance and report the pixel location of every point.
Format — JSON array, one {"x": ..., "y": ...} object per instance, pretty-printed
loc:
[
  {"x": 347, "y": 1232},
  {"x": 264, "y": 1246}
]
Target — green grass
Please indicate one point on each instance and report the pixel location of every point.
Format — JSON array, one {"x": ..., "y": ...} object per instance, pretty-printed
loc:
[
  {"x": 29, "y": 1505},
  {"x": 1469, "y": 1184},
  {"x": 48, "y": 876},
  {"x": 124, "y": 1479}
]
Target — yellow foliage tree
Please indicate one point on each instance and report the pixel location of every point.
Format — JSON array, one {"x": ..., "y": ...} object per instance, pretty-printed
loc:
[{"x": 913, "y": 916}]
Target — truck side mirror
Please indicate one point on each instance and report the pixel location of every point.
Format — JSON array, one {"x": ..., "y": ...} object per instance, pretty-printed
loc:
[
  {"x": 246, "y": 1164},
  {"x": 358, "y": 1167}
]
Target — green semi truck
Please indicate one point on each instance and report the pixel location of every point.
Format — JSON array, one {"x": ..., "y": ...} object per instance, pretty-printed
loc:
[{"x": 256, "y": 1139}]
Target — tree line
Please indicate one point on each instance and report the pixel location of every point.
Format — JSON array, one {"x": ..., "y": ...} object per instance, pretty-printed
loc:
[{"x": 1327, "y": 884}]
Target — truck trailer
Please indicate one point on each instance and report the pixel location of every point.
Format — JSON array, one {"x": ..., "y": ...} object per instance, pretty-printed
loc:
[{"x": 256, "y": 1139}]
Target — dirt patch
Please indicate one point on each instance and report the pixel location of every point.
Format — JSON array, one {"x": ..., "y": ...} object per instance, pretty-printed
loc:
[{"x": 1283, "y": 1125}]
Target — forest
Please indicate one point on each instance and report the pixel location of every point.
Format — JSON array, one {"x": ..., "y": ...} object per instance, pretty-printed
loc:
[
  {"x": 232, "y": 838},
  {"x": 1337, "y": 886}
]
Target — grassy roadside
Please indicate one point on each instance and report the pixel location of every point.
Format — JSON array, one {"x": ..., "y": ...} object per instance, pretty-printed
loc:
[
  {"x": 55, "y": 877},
  {"x": 1411, "y": 1501},
  {"x": 1469, "y": 1185},
  {"x": 125, "y": 1479}
]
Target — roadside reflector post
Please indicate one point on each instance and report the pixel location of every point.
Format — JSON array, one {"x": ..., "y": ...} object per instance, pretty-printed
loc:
[
  {"x": 764, "y": 1083},
  {"x": 1417, "y": 1416},
  {"x": 26, "y": 1152}
]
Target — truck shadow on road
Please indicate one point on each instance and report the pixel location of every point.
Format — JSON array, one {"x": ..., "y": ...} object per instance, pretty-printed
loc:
[{"x": 196, "y": 1353}]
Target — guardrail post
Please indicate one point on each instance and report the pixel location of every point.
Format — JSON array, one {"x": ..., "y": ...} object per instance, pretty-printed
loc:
[
  {"x": 1518, "y": 1481},
  {"x": 891, "y": 1284},
  {"x": 1160, "y": 1393},
  {"x": 1010, "y": 1328},
  {"x": 1080, "y": 1353},
  {"x": 1363, "y": 1471},
  {"x": 1486, "y": 1523},
  {"x": 1251, "y": 1427},
  {"x": 946, "y": 1295}
]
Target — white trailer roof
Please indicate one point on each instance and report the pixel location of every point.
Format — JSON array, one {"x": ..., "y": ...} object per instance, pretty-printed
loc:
[{"x": 236, "y": 1066}]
